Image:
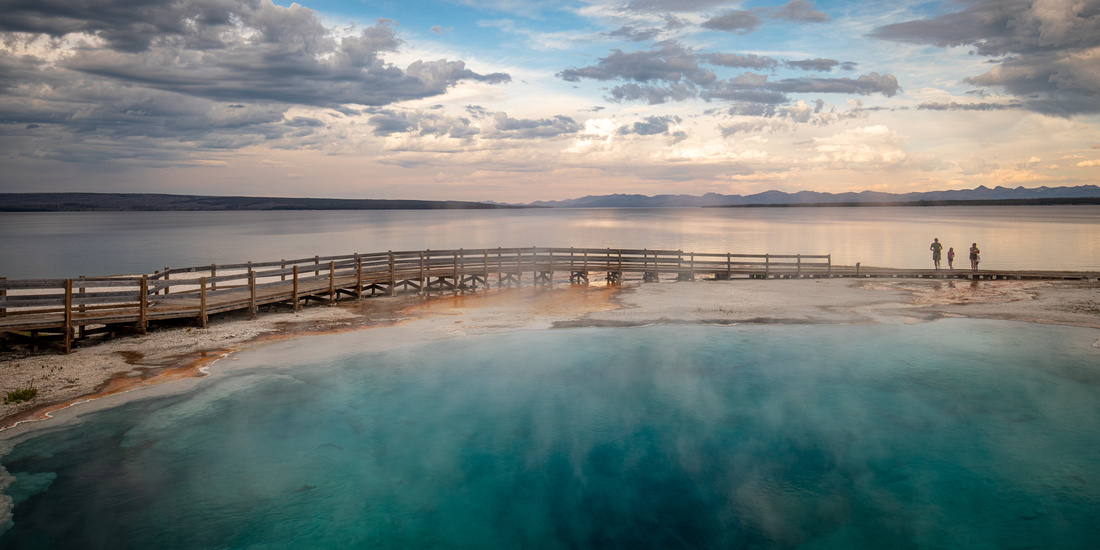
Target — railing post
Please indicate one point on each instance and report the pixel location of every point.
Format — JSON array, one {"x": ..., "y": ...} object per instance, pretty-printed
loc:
[
  {"x": 426, "y": 271},
  {"x": 80, "y": 328},
  {"x": 282, "y": 267},
  {"x": 297, "y": 300},
  {"x": 202, "y": 302},
  {"x": 393, "y": 276},
  {"x": 252, "y": 309},
  {"x": 422, "y": 288},
  {"x": 519, "y": 267},
  {"x": 829, "y": 262},
  {"x": 358, "y": 277},
  {"x": 857, "y": 270},
  {"x": 3, "y": 295},
  {"x": 332, "y": 282},
  {"x": 317, "y": 264},
  {"x": 500, "y": 267},
  {"x": 213, "y": 274},
  {"x": 729, "y": 266},
  {"x": 143, "y": 305},
  {"x": 767, "y": 266},
  {"x": 167, "y": 287},
  {"x": 68, "y": 328},
  {"x": 485, "y": 258},
  {"x": 550, "y": 282},
  {"x": 798, "y": 270},
  {"x": 454, "y": 272},
  {"x": 692, "y": 266}
]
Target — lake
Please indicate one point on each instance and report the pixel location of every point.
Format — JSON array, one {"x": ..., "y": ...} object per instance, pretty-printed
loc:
[{"x": 62, "y": 245}]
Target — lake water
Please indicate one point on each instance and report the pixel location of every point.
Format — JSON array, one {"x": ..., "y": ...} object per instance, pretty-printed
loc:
[
  {"x": 950, "y": 434},
  {"x": 62, "y": 245}
]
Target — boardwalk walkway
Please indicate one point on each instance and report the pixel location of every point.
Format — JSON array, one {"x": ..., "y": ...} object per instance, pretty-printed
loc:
[{"x": 73, "y": 308}]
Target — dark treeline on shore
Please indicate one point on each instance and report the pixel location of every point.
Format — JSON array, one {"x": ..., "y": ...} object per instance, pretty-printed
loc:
[{"x": 132, "y": 202}]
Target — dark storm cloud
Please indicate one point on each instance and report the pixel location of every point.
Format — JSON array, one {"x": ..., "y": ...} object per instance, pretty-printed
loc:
[
  {"x": 819, "y": 64},
  {"x": 1045, "y": 53},
  {"x": 735, "y": 21},
  {"x": 192, "y": 70}
]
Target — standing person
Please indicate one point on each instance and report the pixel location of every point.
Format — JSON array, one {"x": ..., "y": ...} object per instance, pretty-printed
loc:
[
  {"x": 951, "y": 258},
  {"x": 936, "y": 248},
  {"x": 974, "y": 256}
]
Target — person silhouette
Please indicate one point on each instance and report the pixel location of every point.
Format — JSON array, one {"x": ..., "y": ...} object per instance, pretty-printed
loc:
[{"x": 936, "y": 248}]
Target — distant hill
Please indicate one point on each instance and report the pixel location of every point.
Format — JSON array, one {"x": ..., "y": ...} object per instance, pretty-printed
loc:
[
  {"x": 120, "y": 202},
  {"x": 980, "y": 195}
]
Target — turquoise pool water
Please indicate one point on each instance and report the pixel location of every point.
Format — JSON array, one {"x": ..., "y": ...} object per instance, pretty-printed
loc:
[{"x": 952, "y": 434}]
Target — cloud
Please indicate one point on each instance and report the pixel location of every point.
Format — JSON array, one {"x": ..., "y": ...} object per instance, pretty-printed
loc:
[
  {"x": 672, "y": 6},
  {"x": 735, "y": 21},
  {"x": 800, "y": 11},
  {"x": 635, "y": 35},
  {"x": 871, "y": 147},
  {"x": 747, "y": 21},
  {"x": 481, "y": 124},
  {"x": 818, "y": 64},
  {"x": 1046, "y": 52},
  {"x": 651, "y": 126},
  {"x": 673, "y": 73},
  {"x": 872, "y": 83},
  {"x": 216, "y": 74},
  {"x": 669, "y": 63},
  {"x": 773, "y": 118},
  {"x": 738, "y": 61},
  {"x": 973, "y": 165},
  {"x": 652, "y": 95},
  {"x": 954, "y": 106},
  {"x": 1087, "y": 163}
]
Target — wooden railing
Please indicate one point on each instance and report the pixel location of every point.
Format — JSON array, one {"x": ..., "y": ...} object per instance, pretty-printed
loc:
[
  {"x": 74, "y": 308},
  {"x": 86, "y": 305}
]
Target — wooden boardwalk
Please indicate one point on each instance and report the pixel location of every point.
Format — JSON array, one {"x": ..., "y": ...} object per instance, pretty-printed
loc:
[{"x": 76, "y": 308}]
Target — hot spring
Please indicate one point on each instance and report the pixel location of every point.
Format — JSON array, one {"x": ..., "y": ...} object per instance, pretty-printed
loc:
[{"x": 949, "y": 434}]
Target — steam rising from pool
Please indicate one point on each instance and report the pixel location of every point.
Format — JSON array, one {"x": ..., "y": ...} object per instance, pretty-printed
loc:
[{"x": 948, "y": 434}]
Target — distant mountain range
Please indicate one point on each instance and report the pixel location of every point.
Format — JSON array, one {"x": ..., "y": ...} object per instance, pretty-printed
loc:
[
  {"x": 121, "y": 202},
  {"x": 1083, "y": 194}
]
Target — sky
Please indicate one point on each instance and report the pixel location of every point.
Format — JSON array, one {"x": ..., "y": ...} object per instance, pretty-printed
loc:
[{"x": 524, "y": 100}]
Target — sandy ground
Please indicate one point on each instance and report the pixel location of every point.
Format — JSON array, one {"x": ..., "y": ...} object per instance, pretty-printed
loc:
[{"x": 98, "y": 368}]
